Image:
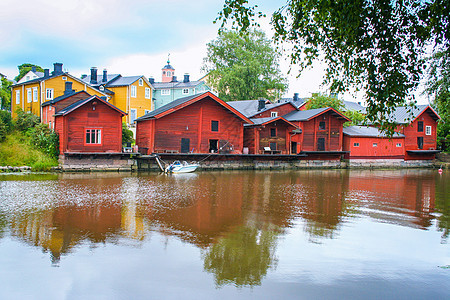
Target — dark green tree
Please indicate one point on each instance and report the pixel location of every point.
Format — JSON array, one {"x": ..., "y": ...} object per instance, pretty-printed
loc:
[
  {"x": 243, "y": 66},
  {"x": 25, "y": 68},
  {"x": 318, "y": 101},
  {"x": 5, "y": 93},
  {"x": 127, "y": 134},
  {"x": 374, "y": 45}
]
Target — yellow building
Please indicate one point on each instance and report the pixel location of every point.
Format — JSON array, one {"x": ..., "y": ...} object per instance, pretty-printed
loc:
[
  {"x": 29, "y": 95},
  {"x": 131, "y": 94}
]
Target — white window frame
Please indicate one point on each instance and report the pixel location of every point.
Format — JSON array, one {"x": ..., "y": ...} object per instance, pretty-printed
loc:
[
  {"x": 147, "y": 93},
  {"x": 355, "y": 144},
  {"x": 398, "y": 145},
  {"x": 49, "y": 94},
  {"x": 165, "y": 92},
  {"x": 141, "y": 82},
  {"x": 95, "y": 133},
  {"x": 185, "y": 91},
  {"x": 135, "y": 115},
  {"x": 35, "y": 94},
  {"x": 375, "y": 145},
  {"x": 274, "y": 114},
  {"x": 18, "y": 97},
  {"x": 29, "y": 95},
  {"x": 428, "y": 130},
  {"x": 133, "y": 92},
  {"x": 64, "y": 78}
]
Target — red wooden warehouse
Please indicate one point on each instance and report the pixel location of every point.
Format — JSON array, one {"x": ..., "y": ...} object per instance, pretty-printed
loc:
[
  {"x": 90, "y": 125},
  {"x": 201, "y": 123}
]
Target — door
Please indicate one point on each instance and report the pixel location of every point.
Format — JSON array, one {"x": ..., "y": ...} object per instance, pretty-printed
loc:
[
  {"x": 321, "y": 144},
  {"x": 213, "y": 146},
  {"x": 420, "y": 142},
  {"x": 185, "y": 145},
  {"x": 293, "y": 147},
  {"x": 273, "y": 146}
]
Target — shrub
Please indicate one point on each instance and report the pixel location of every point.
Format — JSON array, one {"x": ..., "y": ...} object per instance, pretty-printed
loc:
[
  {"x": 3, "y": 131},
  {"x": 25, "y": 121},
  {"x": 127, "y": 134},
  {"x": 44, "y": 139},
  {"x": 5, "y": 117}
]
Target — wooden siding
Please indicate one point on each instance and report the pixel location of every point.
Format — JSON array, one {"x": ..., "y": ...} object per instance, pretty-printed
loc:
[
  {"x": 48, "y": 111},
  {"x": 281, "y": 139},
  {"x": 385, "y": 147},
  {"x": 71, "y": 129},
  {"x": 192, "y": 122}
]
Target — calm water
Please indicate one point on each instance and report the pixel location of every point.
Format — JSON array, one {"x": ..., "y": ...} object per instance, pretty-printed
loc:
[{"x": 226, "y": 235}]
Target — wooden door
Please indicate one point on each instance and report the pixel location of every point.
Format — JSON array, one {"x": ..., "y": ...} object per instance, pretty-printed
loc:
[
  {"x": 185, "y": 145},
  {"x": 321, "y": 144}
]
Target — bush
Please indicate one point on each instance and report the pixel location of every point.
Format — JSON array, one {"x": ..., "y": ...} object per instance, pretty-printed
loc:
[
  {"x": 5, "y": 117},
  {"x": 3, "y": 131},
  {"x": 127, "y": 134},
  {"x": 44, "y": 139},
  {"x": 25, "y": 121}
]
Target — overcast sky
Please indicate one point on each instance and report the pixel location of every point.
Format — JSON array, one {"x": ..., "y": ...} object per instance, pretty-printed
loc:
[{"x": 129, "y": 37}]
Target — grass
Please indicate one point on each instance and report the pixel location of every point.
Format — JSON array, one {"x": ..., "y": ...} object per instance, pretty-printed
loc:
[{"x": 15, "y": 151}]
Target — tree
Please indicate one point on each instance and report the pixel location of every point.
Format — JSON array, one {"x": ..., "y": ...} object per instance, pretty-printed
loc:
[
  {"x": 243, "y": 66},
  {"x": 374, "y": 45},
  {"x": 5, "y": 93},
  {"x": 25, "y": 68}
]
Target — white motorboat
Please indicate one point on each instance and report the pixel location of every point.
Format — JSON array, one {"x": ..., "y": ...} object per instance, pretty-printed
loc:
[{"x": 181, "y": 167}]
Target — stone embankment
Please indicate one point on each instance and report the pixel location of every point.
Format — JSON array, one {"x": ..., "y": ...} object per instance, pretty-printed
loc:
[{"x": 14, "y": 169}]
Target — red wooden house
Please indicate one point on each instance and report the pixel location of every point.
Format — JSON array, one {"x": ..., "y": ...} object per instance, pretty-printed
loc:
[
  {"x": 321, "y": 130},
  {"x": 365, "y": 142},
  {"x": 419, "y": 127},
  {"x": 90, "y": 125},
  {"x": 201, "y": 123}
]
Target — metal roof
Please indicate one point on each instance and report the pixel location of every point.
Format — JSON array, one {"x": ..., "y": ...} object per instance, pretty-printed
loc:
[
  {"x": 77, "y": 104},
  {"x": 100, "y": 81},
  {"x": 249, "y": 108},
  {"x": 57, "y": 99},
  {"x": 405, "y": 115},
  {"x": 348, "y": 105},
  {"x": 367, "y": 131},
  {"x": 304, "y": 115},
  {"x": 123, "y": 81},
  {"x": 175, "y": 85},
  {"x": 298, "y": 103}
]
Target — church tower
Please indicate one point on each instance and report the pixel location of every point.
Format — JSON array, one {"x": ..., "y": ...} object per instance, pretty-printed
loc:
[{"x": 168, "y": 72}]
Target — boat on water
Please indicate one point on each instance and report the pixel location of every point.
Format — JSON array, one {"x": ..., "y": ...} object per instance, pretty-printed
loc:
[{"x": 181, "y": 167}]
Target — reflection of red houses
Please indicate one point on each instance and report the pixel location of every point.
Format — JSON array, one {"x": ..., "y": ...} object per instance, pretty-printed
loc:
[
  {"x": 90, "y": 125},
  {"x": 198, "y": 124}
]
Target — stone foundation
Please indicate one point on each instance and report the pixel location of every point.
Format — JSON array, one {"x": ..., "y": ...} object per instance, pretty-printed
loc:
[{"x": 120, "y": 162}]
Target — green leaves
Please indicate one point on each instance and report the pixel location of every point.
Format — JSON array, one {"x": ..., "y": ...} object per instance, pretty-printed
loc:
[
  {"x": 243, "y": 66},
  {"x": 25, "y": 68}
]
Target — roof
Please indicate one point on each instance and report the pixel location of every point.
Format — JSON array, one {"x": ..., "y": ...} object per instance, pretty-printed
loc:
[
  {"x": 168, "y": 66},
  {"x": 366, "y": 131},
  {"x": 57, "y": 99},
  {"x": 175, "y": 85},
  {"x": 82, "y": 102},
  {"x": 298, "y": 103},
  {"x": 100, "y": 81},
  {"x": 348, "y": 105},
  {"x": 123, "y": 81},
  {"x": 264, "y": 121},
  {"x": 306, "y": 115},
  {"x": 249, "y": 108},
  {"x": 405, "y": 115},
  {"x": 182, "y": 102}
]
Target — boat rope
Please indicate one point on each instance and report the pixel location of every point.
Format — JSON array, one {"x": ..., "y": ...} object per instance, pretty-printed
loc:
[{"x": 213, "y": 153}]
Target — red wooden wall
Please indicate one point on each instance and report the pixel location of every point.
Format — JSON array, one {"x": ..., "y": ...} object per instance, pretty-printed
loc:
[
  {"x": 385, "y": 147},
  {"x": 49, "y": 111},
  {"x": 71, "y": 129}
]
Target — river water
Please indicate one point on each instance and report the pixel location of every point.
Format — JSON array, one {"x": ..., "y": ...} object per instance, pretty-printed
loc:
[{"x": 316, "y": 234}]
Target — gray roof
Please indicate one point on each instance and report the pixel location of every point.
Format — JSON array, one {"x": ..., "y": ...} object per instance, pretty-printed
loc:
[
  {"x": 348, "y": 105},
  {"x": 366, "y": 131},
  {"x": 404, "y": 115},
  {"x": 175, "y": 85},
  {"x": 304, "y": 115},
  {"x": 109, "y": 77},
  {"x": 168, "y": 106},
  {"x": 249, "y": 108},
  {"x": 57, "y": 99},
  {"x": 298, "y": 103},
  {"x": 259, "y": 121},
  {"x": 79, "y": 103},
  {"x": 123, "y": 81}
]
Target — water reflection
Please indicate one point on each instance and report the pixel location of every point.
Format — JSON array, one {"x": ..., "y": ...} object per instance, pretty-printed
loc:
[{"x": 236, "y": 218}]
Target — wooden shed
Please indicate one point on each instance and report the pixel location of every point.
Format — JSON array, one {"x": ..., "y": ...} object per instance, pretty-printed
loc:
[
  {"x": 201, "y": 123},
  {"x": 90, "y": 125}
]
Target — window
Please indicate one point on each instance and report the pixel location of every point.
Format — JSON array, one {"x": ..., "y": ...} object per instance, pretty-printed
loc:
[
  {"x": 93, "y": 136},
  {"x": 17, "y": 97},
  {"x": 428, "y": 130},
  {"x": 165, "y": 92},
  {"x": 147, "y": 111},
  {"x": 185, "y": 91},
  {"x": 28, "y": 78},
  {"x": 49, "y": 94},
  {"x": 133, "y": 91},
  {"x": 398, "y": 145},
  {"x": 102, "y": 88},
  {"x": 420, "y": 126},
  {"x": 147, "y": 93},
  {"x": 375, "y": 145},
  {"x": 420, "y": 142},
  {"x": 141, "y": 82},
  {"x": 273, "y": 132},
  {"x": 274, "y": 114},
  {"x": 64, "y": 78},
  {"x": 35, "y": 94},
  {"x": 28, "y": 95},
  {"x": 355, "y": 144},
  {"x": 322, "y": 125},
  {"x": 215, "y": 126},
  {"x": 169, "y": 73},
  {"x": 133, "y": 115}
]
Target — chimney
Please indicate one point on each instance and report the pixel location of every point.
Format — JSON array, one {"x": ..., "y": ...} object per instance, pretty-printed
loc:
[
  {"x": 261, "y": 104},
  {"x": 93, "y": 75},
  {"x": 105, "y": 75},
  {"x": 151, "y": 80},
  {"x": 174, "y": 78},
  {"x": 33, "y": 68},
  {"x": 295, "y": 97},
  {"x": 46, "y": 73},
  {"x": 186, "y": 78},
  {"x": 68, "y": 89},
  {"x": 57, "y": 69}
]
